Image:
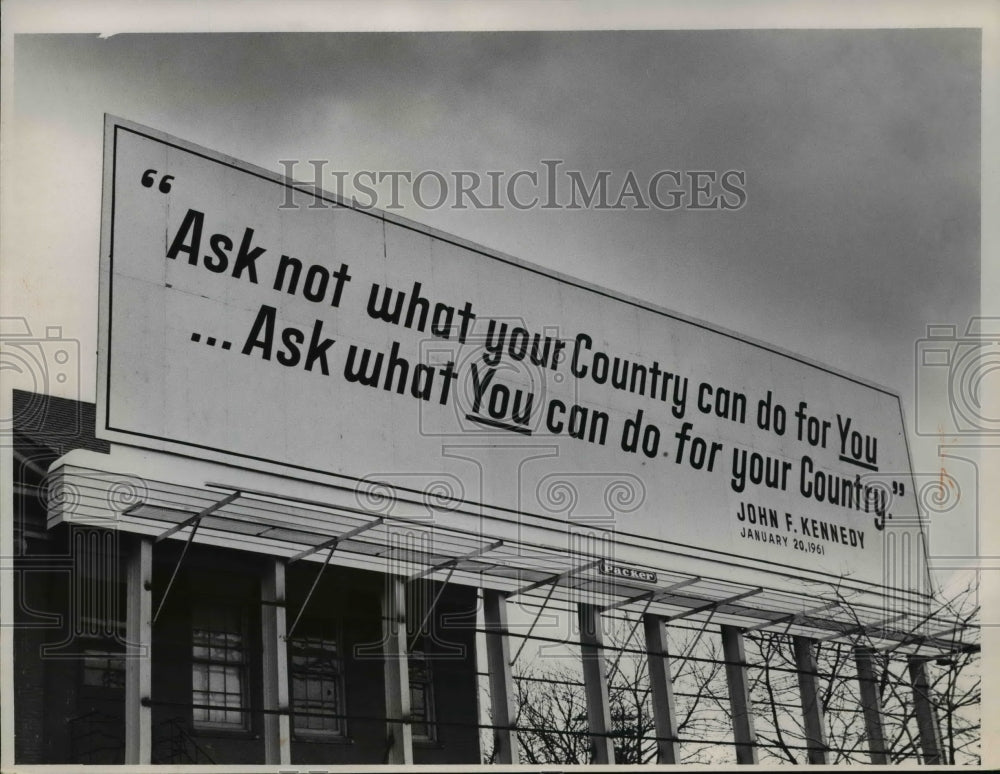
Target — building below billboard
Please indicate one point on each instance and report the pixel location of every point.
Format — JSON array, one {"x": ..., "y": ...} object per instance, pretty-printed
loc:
[{"x": 168, "y": 618}]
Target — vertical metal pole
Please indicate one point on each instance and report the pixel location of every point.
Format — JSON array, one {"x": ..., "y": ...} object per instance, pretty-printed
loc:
[
  {"x": 739, "y": 695},
  {"x": 399, "y": 732},
  {"x": 927, "y": 723},
  {"x": 812, "y": 705},
  {"x": 501, "y": 678},
  {"x": 277, "y": 731},
  {"x": 864, "y": 659},
  {"x": 138, "y": 653},
  {"x": 595, "y": 683},
  {"x": 662, "y": 687}
]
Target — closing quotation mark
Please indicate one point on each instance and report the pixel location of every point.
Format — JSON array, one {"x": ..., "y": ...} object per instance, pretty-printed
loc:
[{"x": 149, "y": 178}]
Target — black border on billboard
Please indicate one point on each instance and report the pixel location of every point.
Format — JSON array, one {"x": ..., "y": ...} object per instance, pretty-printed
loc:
[{"x": 113, "y": 124}]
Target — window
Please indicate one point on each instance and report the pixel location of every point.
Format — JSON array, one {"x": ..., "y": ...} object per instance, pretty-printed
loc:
[
  {"x": 317, "y": 683},
  {"x": 96, "y": 614},
  {"x": 102, "y": 669},
  {"x": 103, "y": 657},
  {"x": 421, "y": 696},
  {"x": 218, "y": 669}
]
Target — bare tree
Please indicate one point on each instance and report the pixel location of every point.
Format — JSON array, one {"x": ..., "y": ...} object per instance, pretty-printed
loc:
[
  {"x": 552, "y": 711},
  {"x": 552, "y": 716}
]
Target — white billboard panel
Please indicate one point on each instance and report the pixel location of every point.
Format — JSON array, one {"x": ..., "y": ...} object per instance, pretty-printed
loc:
[{"x": 343, "y": 341}]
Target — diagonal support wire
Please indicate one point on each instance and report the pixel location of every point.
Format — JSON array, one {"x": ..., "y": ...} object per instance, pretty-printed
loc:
[
  {"x": 332, "y": 544},
  {"x": 628, "y": 639},
  {"x": 698, "y": 636},
  {"x": 194, "y": 522},
  {"x": 535, "y": 621},
  {"x": 712, "y": 608},
  {"x": 553, "y": 581},
  {"x": 315, "y": 583},
  {"x": 694, "y": 643},
  {"x": 430, "y": 609}
]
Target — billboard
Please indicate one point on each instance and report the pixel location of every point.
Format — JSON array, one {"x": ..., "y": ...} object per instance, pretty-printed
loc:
[{"x": 244, "y": 318}]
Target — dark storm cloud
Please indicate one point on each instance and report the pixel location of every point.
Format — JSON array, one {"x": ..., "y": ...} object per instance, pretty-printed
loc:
[{"x": 860, "y": 149}]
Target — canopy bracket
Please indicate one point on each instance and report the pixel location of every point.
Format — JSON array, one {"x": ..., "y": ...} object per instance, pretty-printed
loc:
[
  {"x": 554, "y": 579},
  {"x": 194, "y": 522},
  {"x": 196, "y": 518},
  {"x": 715, "y": 605},
  {"x": 791, "y": 618},
  {"x": 863, "y": 628},
  {"x": 653, "y": 595},
  {"x": 453, "y": 562},
  {"x": 335, "y": 541}
]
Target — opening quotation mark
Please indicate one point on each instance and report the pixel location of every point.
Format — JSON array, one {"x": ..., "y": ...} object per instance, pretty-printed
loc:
[{"x": 149, "y": 180}]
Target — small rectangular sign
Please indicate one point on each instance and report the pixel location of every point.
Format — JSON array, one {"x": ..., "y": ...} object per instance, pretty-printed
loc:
[{"x": 628, "y": 573}]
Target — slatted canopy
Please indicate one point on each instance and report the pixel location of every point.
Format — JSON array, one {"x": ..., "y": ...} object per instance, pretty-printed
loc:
[{"x": 302, "y": 529}]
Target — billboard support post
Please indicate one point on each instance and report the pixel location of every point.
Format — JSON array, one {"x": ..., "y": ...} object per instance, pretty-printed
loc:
[
  {"x": 399, "y": 733},
  {"x": 277, "y": 733},
  {"x": 595, "y": 683},
  {"x": 138, "y": 663},
  {"x": 744, "y": 735},
  {"x": 923, "y": 707},
  {"x": 662, "y": 687},
  {"x": 864, "y": 658},
  {"x": 501, "y": 678},
  {"x": 812, "y": 705}
]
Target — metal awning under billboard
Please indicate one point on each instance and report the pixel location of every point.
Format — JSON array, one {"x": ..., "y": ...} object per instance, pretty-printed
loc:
[{"x": 300, "y": 529}]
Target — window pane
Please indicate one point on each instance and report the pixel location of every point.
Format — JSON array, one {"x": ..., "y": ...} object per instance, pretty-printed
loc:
[
  {"x": 218, "y": 666},
  {"x": 317, "y": 688},
  {"x": 103, "y": 670},
  {"x": 421, "y": 696}
]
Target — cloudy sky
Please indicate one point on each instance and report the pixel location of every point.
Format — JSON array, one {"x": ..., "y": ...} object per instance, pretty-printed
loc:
[{"x": 860, "y": 149}]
